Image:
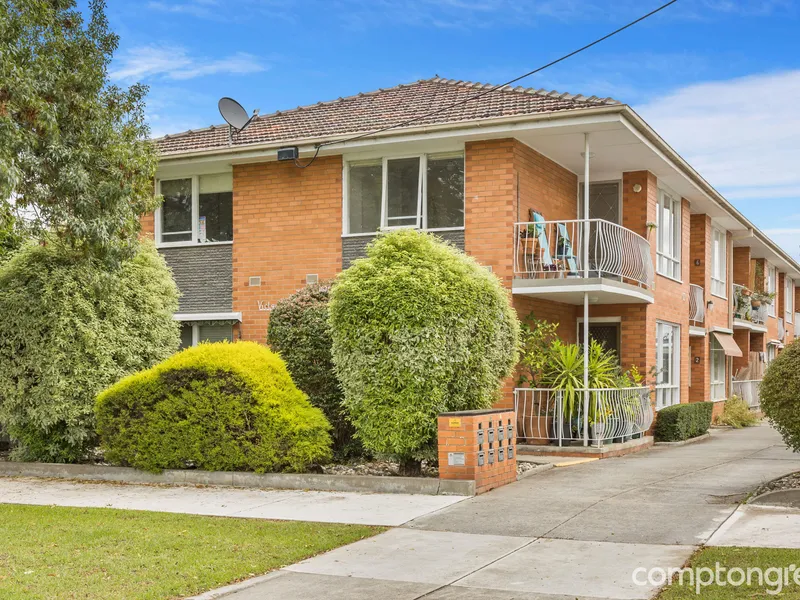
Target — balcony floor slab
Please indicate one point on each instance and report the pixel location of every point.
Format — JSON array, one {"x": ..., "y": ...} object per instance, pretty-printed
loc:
[{"x": 570, "y": 290}]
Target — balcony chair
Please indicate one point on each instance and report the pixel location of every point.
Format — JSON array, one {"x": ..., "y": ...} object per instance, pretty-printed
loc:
[
  {"x": 539, "y": 259},
  {"x": 564, "y": 253}
]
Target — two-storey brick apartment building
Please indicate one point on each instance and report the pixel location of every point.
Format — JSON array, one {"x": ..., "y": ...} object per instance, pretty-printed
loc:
[{"x": 501, "y": 177}]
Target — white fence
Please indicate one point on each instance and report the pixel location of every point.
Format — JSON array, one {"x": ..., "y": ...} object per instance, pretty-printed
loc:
[
  {"x": 554, "y": 249},
  {"x": 749, "y": 391},
  {"x": 546, "y": 416}
]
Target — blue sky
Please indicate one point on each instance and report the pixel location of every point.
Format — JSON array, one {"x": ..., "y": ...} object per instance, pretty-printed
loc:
[{"x": 718, "y": 79}]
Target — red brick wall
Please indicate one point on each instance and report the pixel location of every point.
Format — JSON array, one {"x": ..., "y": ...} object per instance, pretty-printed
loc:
[
  {"x": 287, "y": 222},
  {"x": 148, "y": 223},
  {"x": 742, "y": 267},
  {"x": 458, "y": 433}
]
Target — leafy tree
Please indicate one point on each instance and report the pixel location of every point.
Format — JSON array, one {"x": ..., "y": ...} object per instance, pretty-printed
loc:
[
  {"x": 418, "y": 328},
  {"x": 780, "y": 394},
  {"x": 70, "y": 328},
  {"x": 300, "y": 332},
  {"x": 74, "y": 152}
]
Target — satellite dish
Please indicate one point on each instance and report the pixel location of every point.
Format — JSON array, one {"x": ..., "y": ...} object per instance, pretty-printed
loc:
[{"x": 234, "y": 114}]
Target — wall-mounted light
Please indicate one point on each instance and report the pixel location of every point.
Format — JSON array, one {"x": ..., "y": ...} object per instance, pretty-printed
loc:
[
  {"x": 710, "y": 305},
  {"x": 637, "y": 187}
]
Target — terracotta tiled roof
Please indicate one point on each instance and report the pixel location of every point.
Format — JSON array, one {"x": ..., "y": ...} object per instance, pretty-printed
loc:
[{"x": 375, "y": 110}]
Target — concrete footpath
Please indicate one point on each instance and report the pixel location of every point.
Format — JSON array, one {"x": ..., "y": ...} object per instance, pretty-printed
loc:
[
  {"x": 577, "y": 532},
  {"x": 324, "y": 507}
]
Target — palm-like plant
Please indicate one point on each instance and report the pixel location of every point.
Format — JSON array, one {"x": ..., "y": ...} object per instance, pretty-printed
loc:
[{"x": 563, "y": 370}]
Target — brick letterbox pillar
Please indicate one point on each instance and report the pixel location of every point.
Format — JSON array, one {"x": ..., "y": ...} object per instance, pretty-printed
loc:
[{"x": 478, "y": 445}]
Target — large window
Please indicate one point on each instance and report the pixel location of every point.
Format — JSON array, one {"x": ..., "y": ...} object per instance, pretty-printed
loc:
[
  {"x": 420, "y": 191},
  {"x": 668, "y": 340},
  {"x": 196, "y": 210},
  {"x": 717, "y": 370},
  {"x": 193, "y": 333},
  {"x": 772, "y": 288},
  {"x": 718, "y": 263},
  {"x": 668, "y": 236},
  {"x": 788, "y": 299}
]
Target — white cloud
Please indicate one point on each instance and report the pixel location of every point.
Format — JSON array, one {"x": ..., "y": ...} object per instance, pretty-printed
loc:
[
  {"x": 741, "y": 134},
  {"x": 174, "y": 62}
]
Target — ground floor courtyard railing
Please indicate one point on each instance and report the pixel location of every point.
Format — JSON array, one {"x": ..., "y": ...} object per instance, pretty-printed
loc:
[
  {"x": 546, "y": 416},
  {"x": 749, "y": 391}
]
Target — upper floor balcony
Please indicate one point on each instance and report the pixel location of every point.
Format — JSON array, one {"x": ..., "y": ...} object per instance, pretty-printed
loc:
[
  {"x": 746, "y": 313},
  {"x": 697, "y": 305},
  {"x": 562, "y": 260}
]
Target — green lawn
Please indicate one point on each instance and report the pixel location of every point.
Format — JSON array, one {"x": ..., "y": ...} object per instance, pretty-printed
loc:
[
  {"x": 92, "y": 553},
  {"x": 742, "y": 558}
]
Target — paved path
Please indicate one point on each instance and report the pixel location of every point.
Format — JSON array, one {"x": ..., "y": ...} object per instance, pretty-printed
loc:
[
  {"x": 573, "y": 532},
  {"x": 325, "y": 507}
]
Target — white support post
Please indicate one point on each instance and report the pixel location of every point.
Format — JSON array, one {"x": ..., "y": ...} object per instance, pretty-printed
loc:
[{"x": 586, "y": 157}]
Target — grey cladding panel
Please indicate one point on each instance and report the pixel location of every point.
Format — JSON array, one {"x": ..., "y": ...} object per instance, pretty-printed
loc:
[
  {"x": 356, "y": 247},
  {"x": 204, "y": 275}
]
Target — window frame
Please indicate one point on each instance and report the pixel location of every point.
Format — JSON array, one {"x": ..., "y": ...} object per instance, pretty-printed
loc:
[
  {"x": 195, "y": 325},
  {"x": 158, "y": 214},
  {"x": 788, "y": 298},
  {"x": 674, "y": 260},
  {"x": 719, "y": 263},
  {"x": 674, "y": 386},
  {"x": 717, "y": 354},
  {"x": 422, "y": 192},
  {"x": 772, "y": 287}
]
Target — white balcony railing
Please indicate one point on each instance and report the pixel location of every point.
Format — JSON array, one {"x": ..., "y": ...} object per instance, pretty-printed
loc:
[
  {"x": 554, "y": 249},
  {"x": 546, "y": 416},
  {"x": 748, "y": 390},
  {"x": 697, "y": 305}
]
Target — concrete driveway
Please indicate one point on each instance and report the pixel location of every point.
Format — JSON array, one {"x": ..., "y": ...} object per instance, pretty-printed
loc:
[{"x": 570, "y": 532}]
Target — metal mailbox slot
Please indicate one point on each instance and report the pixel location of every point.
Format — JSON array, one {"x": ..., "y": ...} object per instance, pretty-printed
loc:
[
  {"x": 491, "y": 457},
  {"x": 501, "y": 455},
  {"x": 481, "y": 458},
  {"x": 480, "y": 436},
  {"x": 501, "y": 433},
  {"x": 510, "y": 452},
  {"x": 491, "y": 434}
]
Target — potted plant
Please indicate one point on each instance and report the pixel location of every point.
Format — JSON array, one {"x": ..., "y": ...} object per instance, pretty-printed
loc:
[{"x": 760, "y": 297}]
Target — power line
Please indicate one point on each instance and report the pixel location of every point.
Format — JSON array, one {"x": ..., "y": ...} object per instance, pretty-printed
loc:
[{"x": 488, "y": 90}]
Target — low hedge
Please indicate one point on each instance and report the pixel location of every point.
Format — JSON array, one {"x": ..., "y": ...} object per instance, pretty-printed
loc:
[
  {"x": 683, "y": 421},
  {"x": 220, "y": 407}
]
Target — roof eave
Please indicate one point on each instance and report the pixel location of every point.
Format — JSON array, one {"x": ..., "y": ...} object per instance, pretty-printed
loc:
[
  {"x": 338, "y": 141},
  {"x": 699, "y": 181}
]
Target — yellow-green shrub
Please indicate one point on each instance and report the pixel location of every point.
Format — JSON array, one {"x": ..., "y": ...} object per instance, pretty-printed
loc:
[
  {"x": 737, "y": 414},
  {"x": 221, "y": 407}
]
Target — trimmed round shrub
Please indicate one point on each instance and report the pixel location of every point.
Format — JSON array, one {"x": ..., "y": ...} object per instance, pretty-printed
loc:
[
  {"x": 71, "y": 327},
  {"x": 219, "y": 407},
  {"x": 780, "y": 394},
  {"x": 681, "y": 422},
  {"x": 299, "y": 331},
  {"x": 418, "y": 328}
]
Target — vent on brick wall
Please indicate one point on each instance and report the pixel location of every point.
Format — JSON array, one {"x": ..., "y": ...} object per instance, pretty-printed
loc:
[
  {"x": 489, "y": 268},
  {"x": 312, "y": 278},
  {"x": 255, "y": 281}
]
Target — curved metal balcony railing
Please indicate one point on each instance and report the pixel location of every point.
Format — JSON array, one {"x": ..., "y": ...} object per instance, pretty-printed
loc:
[
  {"x": 548, "y": 416},
  {"x": 697, "y": 305},
  {"x": 554, "y": 249}
]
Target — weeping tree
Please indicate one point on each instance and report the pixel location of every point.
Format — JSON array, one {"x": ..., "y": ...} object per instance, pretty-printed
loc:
[{"x": 75, "y": 159}]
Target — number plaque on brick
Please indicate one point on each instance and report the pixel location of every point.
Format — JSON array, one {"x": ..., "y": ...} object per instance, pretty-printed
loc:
[{"x": 456, "y": 459}]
